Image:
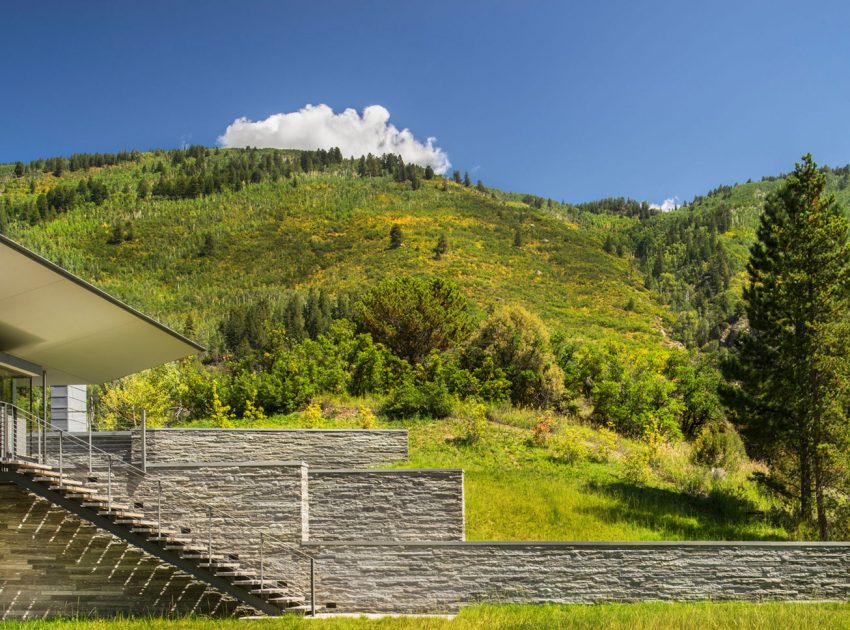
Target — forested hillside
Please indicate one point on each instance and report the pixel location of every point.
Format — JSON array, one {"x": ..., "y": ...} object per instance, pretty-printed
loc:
[
  {"x": 310, "y": 276},
  {"x": 194, "y": 232}
]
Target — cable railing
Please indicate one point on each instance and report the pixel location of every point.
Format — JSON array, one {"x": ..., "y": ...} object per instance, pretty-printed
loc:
[{"x": 25, "y": 436}]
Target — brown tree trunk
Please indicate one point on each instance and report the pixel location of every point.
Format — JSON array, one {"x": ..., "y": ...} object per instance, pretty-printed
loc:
[
  {"x": 823, "y": 534},
  {"x": 805, "y": 482}
]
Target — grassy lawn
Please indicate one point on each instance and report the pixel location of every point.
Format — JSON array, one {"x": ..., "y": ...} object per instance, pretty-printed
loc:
[
  {"x": 518, "y": 491},
  {"x": 630, "y": 616}
]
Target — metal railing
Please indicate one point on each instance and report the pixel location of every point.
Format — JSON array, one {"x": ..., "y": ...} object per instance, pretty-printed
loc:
[{"x": 25, "y": 436}]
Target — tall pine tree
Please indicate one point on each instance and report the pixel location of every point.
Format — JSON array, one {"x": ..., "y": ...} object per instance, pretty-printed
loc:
[{"x": 790, "y": 377}]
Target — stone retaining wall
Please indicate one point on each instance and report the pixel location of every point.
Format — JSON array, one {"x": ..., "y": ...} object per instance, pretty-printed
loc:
[
  {"x": 54, "y": 564},
  {"x": 441, "y": 577},
  {"x": 402, "y": 504},
  {"x": 75, "y": 447},
  {"x": 245, "y": 499},
  {"x": 324, "y": 448}
]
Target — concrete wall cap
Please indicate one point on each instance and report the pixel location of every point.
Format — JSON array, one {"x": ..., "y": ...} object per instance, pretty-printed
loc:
[
  {"x": 183, "y": 465},
  {"x": 612, "y": 545},
  {"x": 260, "y": 430},
  {"x": 361, "y": 471}
]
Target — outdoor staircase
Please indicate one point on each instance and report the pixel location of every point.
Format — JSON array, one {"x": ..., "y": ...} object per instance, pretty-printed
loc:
[{"x": 171, "y": 545}]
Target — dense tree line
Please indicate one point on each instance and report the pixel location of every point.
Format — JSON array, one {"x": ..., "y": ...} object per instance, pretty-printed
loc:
[
  {"x": 77, "y": 162},
  {"x": 619, "y": 206},
  {"x": 420, "y": 345},
  {"x": 189, "y": 173},
  {"x": 685, "y": 262},
  {"x": 55, "y": 201}
]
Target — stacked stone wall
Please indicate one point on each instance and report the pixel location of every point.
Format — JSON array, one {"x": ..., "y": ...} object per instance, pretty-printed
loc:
[{"x": 403, "y": 504}]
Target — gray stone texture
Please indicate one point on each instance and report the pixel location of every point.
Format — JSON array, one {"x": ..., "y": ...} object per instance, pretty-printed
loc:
[
  {"x": 441, "y": 577},
  {"x": 54, "y": 564},
  {"x": 320, "y": 448},
  {"x": 75, "y": 447},
  {"x": 246, "y": 500},
  {"x": 403, "y": 504}
]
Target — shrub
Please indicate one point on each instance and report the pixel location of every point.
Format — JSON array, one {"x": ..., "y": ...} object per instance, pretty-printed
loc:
[
  {"x": 637, "y": 466},
  {"x": 410, "y": 399},
  {"x": 541, "y": 432},
  {"x": 719, "y": 446},
  {"x": 517, "y": 342},
  {"x": 253, "y": 412},
  {"x": 221, "y": 414},
  {"x": 313, "y": 416},
  {"x": 567, "y": 448},
  {"x": 605, "y": 445},
  {"x": 628, "y": 392},
  {"x": 474, "y": 422},
  {"x": 365, "y": 417}
]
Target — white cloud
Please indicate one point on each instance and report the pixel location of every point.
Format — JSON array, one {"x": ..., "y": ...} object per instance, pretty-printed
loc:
[
  {"x": 318, "y": 127},
  {"x": 667, "y": 205}
]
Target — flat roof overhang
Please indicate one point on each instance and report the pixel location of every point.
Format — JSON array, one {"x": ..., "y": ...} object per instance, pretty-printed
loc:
[{"x": 74, "y": 331}]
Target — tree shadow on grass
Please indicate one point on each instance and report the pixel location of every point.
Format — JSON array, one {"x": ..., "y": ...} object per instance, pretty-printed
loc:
[{"x": 718, "y": 516}]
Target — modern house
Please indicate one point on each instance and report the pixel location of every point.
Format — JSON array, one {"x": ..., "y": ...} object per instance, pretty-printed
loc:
[
  {"x": 226, "y": 521},
  {"x": 57, "y": 329}
]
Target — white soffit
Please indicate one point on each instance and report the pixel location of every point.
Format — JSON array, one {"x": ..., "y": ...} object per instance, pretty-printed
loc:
[{"x": 76, "y": 332}]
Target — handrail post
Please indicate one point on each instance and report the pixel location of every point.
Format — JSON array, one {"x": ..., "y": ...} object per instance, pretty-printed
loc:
[
  {"x": 312, "y": 587},
  {"x": 209, "y": 534},
  {"x": 159, "y": 509},
  {"x": 44, "y": 414},
  {"x": 60, "y": 455},
  {"x": 38, "y": 438},
  {"x": 262, "y": 545},
  {"x": 109, "y": 485},
  {"x": 13, "y": 444},
  {"x": 89, "y": 423},
  {"x": 144, "y": 441}
]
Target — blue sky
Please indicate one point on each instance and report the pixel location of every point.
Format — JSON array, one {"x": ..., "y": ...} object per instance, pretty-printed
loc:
[{"x": 570, "y": 100}]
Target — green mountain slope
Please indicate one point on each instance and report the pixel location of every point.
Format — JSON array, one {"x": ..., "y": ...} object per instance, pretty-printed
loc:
[
  {"x": 330, "y": 229},
  {"x": 197, "y": 232},
  {"x": 694, "y": 258}
]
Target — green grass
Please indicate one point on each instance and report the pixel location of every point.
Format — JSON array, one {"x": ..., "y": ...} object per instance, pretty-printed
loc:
[
  {"x": 645, "y": 616},
  {"x": 518, "y": 491}
]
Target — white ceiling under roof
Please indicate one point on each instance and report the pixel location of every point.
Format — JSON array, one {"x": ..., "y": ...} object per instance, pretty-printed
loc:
[{"x": 76, "y": 332}]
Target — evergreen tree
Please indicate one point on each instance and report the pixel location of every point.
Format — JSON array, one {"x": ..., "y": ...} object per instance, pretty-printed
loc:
[
  {"x": 208, "y": 246},
  {"x": 518, "y": 238},
  {"x": 395, "y": 236},
  {"x": 456, "y": 177},
  {"x": 790, "y": 378},
  {"x": 414, "y": 316},
  {"x": 429, "y": 172},
  {"x": 442, "y": 247},
  {"x": 317, "y": 312},
  {"x": 480, "y": 186},
  {"x": 19, "y": 169},
  {"x": 189, "y": 327},
  {"x": 466, "y": 181},
  {"x": 293, "y": 319}
]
